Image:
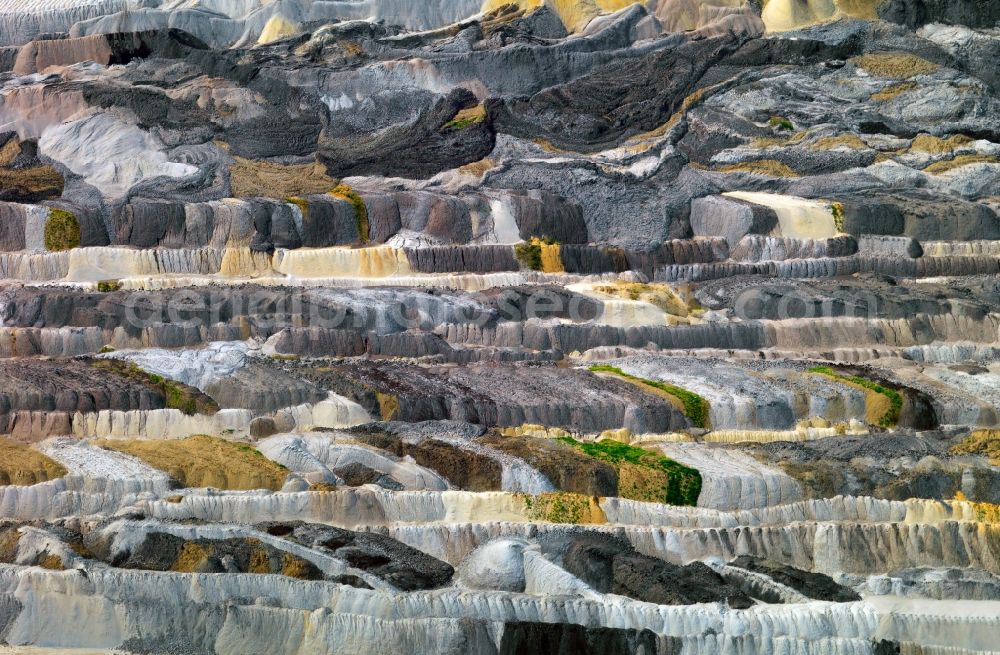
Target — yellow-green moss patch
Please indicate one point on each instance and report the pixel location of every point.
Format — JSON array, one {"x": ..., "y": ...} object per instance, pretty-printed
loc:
[
  {"x": 21, "y": 465},
  {"x": 187, "y": 399},
  {"x": 62, "y": 231},
  {"x": 465, "y": 118},
  {"x": 563, "y": 507},
  {"x": 940, "y": 167},
  {"x": 540, "y": 254},
  {"x": 781, "y": 123},
  {"x": 851, "y": 141},
  {"x": 894, "y": 65},
  {"x": 345, "y": 192},
  {"x": 892, "y": 92},
  {"x": 203, "y": 461},
  {"x": 695, "y": 408},
  {"x": 769, "y": 167},
  {"x": 388, "y": 405},
  {"x": 936, "y": 145},
  {"x": 980, "y": 442}
]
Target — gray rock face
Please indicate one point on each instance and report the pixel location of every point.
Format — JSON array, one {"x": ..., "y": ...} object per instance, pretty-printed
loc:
[{"x": 716, "y": 216}]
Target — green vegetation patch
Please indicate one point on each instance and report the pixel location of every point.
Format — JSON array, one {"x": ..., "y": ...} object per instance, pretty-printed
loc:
[
  {"x": 837, "y": 209},
  {"x": 781, "y": 123},
  {"x": 465, "y": 118},
  {"x": 696, "y": 408},
  {"x": 890, "y": 416},
  {"x": 529, "y": 254},
  {"x": 666, "y": 481},
  {"x": 107, "y": 286},
  {"x": 563, "y": 507},
  {"x": 187, "y": 399},
  {"x": 62, "y": 231},
  {"x": 345, "y": 192},
  {"x": 539, "y": 254}
]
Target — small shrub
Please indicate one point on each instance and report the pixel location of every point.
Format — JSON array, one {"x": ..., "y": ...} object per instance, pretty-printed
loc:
[
  {"x": 62, "y": 231},
  {"x": 108, "y": 286}
]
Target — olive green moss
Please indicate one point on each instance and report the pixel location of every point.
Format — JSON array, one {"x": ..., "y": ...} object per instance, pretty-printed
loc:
[
  {"x": 62, "y": 231},
  {"x": 301, "y": 203},
  {"x": 696, "y": 408},
  {"x": 781, "y": 123},
  {"x": 559, "y": 507},
  {"x": 683, "y": 482},
  {"x": 176, "y": 395},
  {"x": 360, "y": 210},
  {"x": 107, "y": 286},
  {"x": 837, "y": 209},
  {"x": 891, "y": 417},
  {"x": 529, "y": 255}
]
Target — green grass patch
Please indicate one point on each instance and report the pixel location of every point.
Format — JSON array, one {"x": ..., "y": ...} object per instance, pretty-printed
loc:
[
  {"x": 891, "y": 416},
  {"x": 665, "y": 480},
  {"x": 696, "y": 408},
  {"x": 107, "y": 286},
  {"x": 62, "y": 231}
]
